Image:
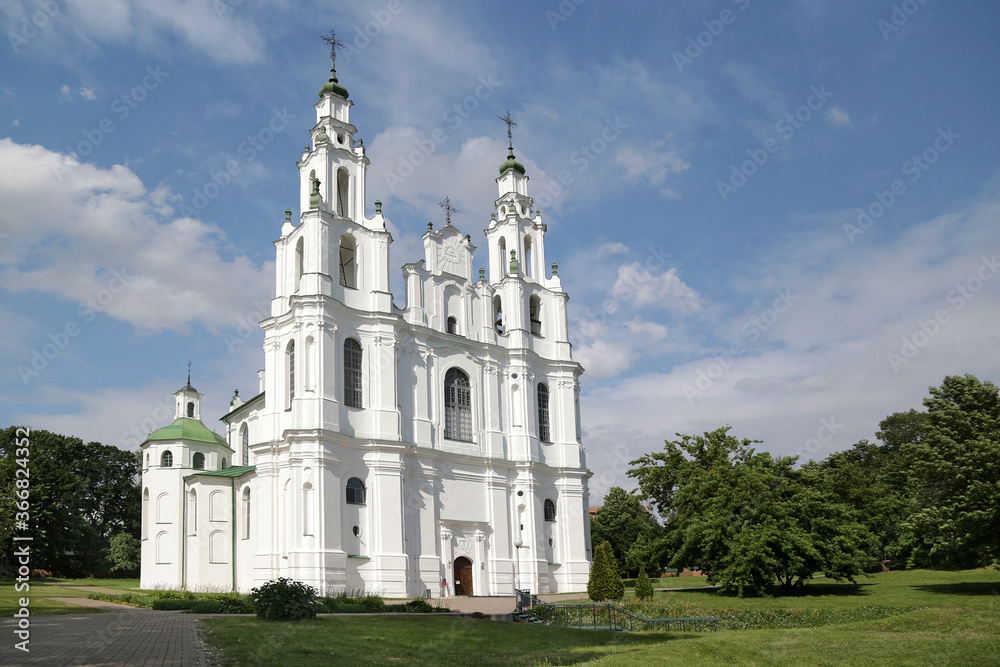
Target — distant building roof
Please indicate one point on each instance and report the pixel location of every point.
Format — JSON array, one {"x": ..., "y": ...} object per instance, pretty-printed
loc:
[{"x": 235, "y": 471}]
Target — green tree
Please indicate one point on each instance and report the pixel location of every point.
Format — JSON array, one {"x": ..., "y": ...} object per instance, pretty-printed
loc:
[
  {"x": 748, "y": 518},
  {"x": 621, "y": 521},
  {"x": 955, "y": 475},
  {"x": 80, "y": 494},
  {"x": 605, "y": 582},
  {"x": 125, "y": 553},
  {"x": 872, "y": 480},
  {"x": 643, "y": 587}
]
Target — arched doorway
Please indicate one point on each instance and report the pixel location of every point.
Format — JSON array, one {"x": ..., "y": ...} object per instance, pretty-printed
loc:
[{"x": 463, "y": 576}]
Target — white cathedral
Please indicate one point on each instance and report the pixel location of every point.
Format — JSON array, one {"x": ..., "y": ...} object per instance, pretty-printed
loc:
[{"x": 388, "y": 448}]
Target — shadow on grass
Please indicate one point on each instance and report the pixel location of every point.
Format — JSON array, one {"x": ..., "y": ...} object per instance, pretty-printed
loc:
[
  {"x": 809, "y": 591},
  {"x": 964, "y": 588}
]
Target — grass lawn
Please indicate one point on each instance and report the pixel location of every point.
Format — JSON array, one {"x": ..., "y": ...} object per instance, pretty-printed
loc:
[
  {"x": 960, "y": 625},
  {"x": 119, "y": 584},
  {"x": 39, "y": 602}
]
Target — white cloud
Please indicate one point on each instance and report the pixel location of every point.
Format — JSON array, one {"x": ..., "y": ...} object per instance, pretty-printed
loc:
[
  {"x": 67, "y": 93},
  {"x": 838, "y": 116},
  {"x": 652, "y": 332},
  {"x": 825, "y": 360},
  {"x": 613, "y": 248},
  {"x": 666, "y": 290},
  {"x": 216, "y": 29},
  {"x": 655, "y": 164},
  {"x": 108, "y": 222}
]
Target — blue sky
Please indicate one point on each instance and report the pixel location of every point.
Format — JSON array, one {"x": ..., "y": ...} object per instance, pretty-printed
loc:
[{"x": 702, "y": 167}]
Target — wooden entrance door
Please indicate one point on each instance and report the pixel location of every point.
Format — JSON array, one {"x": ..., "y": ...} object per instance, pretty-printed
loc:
[{"x": 463, "y": 576}]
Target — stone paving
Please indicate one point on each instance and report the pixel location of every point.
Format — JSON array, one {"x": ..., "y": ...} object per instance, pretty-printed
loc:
[{"x": 130, "y": 637}]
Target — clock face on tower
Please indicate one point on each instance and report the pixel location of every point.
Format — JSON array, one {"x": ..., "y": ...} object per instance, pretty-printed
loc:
[{"x": 450, "y": 256}]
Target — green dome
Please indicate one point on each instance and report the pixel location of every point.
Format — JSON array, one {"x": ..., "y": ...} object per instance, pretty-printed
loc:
[
  {"x": 332, "y": 86},
  {"x": 185, "y": 428},
  {"x": 511, "y": 163}
]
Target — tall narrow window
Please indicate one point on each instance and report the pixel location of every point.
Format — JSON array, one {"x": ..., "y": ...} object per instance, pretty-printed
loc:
[
  {"x": 298, "y": 264},
  {"x": 246, "y": 513},
  {"x": 498, "y": 314},
  {"x": 343, "y": 210},
  {"x": 527, "y": 256},
  {"x": 503, "y": 256},
  {"x": 457, "y": 406},
  {"x": 452, "y": 325},
  {"x": 307, "y": 491},
  {"x": 355, "y": 491},
  {"x": 550, "y": 510},
  {"x": 167, "y": 459},
  {"x": 198, "y": 461},
  {"x": 348, "y": 263},
  {"x": 245, "y": 441},
  {"x": 544, "y": 433},
  {"x": 535, "y": 315},
  {"x": 290, "y": 364},
  {"x": 190, "y": 410},
  {"x": 352, "y": 373}
]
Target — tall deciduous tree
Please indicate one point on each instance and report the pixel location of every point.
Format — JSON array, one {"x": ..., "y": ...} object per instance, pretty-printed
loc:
[
  {"x": 621, "y": 521},
  {"x": 955, "y": 472},
  {"x": 748, "y": 518},
  {"x": 80, "y": 494}
]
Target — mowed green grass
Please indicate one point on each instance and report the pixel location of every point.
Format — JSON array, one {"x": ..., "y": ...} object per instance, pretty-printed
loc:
[
  {"x": 960, "y": 625},
  {"x": 39, "y": 602}
]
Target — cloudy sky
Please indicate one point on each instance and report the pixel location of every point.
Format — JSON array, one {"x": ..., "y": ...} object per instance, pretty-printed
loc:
[{"x": 777, "y": 216}]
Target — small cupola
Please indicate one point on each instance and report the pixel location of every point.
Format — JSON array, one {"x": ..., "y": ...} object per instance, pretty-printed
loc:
[
  {"x": 511, "y": 162},
  {"x": 188, "y": 401}
]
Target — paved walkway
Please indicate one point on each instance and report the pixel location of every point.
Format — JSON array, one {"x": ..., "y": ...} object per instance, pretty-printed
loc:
[{"x": 128, "y": 636}]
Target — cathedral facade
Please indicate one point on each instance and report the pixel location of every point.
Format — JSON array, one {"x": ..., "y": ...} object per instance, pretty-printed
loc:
[{"x": 389, "y": 448}]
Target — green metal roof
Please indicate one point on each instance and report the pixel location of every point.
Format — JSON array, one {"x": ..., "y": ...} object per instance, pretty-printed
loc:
[
  {"x": 235, "y": 471},
  {"x": 185, "y": 428}
]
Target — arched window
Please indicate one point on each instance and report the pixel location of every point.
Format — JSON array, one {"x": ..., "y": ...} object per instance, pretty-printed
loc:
[
  {"x": 245, "y": 439},
  {"x": 166, "y": 459},
  {"x": 147, "y": 459},
  {"x": 544, "y": 433},
  {"x": 224, "y": 466},
  {"x": 290, "y": 377},
  {"x": 498, "y": 314},
  {"x": 352, "y": 373},
  {"x": 452, "y": 326},
  {"x": 355, "y": 491},
  {"x": 503, "y": 256},
  {"x": 348, "y": 264},
  {"x": 190, "y": 410},
  {"x": 198, "y": 461},
  {"x": 246, "y": 513},
  {"x": 298, "y": 264},
  {"x": 535, "y": 315},
  {"x": 192, "y": 516},
  {"x": 457, "y": 406},
  {"x": 550, "y": 510},
  {"x": 343, "y": 209}
]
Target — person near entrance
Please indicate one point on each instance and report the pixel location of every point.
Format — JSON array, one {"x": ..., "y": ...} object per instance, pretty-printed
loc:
[{"x": 444, "y": 587}]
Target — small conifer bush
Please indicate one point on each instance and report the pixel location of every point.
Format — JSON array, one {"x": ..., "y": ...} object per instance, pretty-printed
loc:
[
  {"x": 643, "y": 587},
  {"x": 605, "y": 582}
]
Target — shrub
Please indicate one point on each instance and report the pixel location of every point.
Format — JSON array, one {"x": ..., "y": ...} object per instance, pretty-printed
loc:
[
  {"x": 285, "y": 600},
  {"x": 396, "y": 608},
  {"x": 352, "y": 608},
  {"x": 643, "y": 587},
  {"x": 419, "y": 606},
  {"x": 372, "y": 604},
  {"x": 206, "y": 606},
  {"x": 605, "y": 582},
  {"x": 171, "y": 604}
]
